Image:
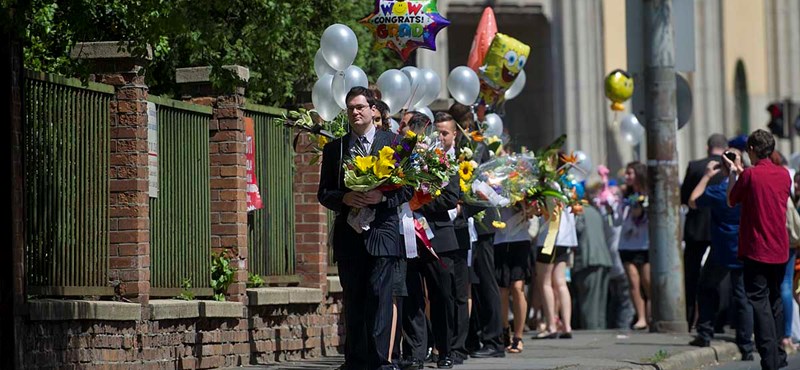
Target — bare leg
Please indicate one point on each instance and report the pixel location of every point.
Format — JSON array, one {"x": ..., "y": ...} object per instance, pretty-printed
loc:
[
  {"x": 394, "y": 328},
  {"x": 636, "y": 295},
  {"x": 504, "y": 310},
  {"x": 519, "y": 304},
  {"x": 544, "y": 273},
  {"x": 645, "y": 277},
  {"x": 560, "y": 285}
]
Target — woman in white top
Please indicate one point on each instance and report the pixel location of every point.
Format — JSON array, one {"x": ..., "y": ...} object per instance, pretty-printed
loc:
[
  {"x": 634, "y": 240},
  {"x": 512, "y": 248},
  {"x": 551, "y": 275}
]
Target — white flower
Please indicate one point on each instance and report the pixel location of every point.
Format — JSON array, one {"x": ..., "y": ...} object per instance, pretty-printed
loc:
[{"x": 467, "y": 152}]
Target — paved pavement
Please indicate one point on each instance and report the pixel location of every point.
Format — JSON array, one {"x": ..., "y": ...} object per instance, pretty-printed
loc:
[{"x": 595, "y": 350}]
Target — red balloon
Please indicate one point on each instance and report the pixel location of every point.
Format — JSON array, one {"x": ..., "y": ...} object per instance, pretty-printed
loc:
[{"x": 484, "y": 35}]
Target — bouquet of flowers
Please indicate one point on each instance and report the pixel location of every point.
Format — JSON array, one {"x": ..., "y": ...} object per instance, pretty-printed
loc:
[
  {"x": 430, "y": 169},
  {"x": 499, "y": 182},
  {"x": 554, "y": 189},
  {"x": 321, "y": 132}
]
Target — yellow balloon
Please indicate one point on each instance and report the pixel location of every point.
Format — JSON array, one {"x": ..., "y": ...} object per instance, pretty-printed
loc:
[{"x": 619, "y": 88}]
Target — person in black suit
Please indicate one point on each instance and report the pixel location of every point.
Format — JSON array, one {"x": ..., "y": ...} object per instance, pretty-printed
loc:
[
  {"x": 438, "y": 275},
  {"x": 485, "y": 320},
  {"x": 697, "y": 227},
  {"x": 367, "y": 258}
]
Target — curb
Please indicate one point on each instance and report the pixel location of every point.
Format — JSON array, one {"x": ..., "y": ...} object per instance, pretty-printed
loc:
[{"x": 696, "y": 358}]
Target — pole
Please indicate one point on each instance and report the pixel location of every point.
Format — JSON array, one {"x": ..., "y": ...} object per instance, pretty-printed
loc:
[{"x": 668, "y": 311}]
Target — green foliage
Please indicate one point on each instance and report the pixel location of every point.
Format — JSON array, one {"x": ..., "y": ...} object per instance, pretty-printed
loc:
[
  {"x": 221, "y": 274},
  {"x": 186, "y": 294},
  {"x": 659, "y": 356},
  {"x": 255, "y": 281},
  {"x": 276, "y": 39}
]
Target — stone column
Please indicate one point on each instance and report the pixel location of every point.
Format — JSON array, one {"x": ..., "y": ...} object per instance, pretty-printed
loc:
[
  {"x": 311, "y": 219},
  {"x": 227, "y": 152},
  {"x": 129, "y": 210}
]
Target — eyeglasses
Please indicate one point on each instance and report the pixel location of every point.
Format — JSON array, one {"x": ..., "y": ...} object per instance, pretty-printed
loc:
[{"x": 359, "y": 108}]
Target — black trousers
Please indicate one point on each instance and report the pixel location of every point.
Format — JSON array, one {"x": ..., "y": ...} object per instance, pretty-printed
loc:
[
  {"x": 712, "y": 278},
  {"x": 762, "y": 283},
  {"x": 460, "y": 294},
  {"x": 692, "y": 257},
  {"x": 367, "y": 287},
  {"x": 414, "y": 322},
  {"x": 486, "y": 294}
]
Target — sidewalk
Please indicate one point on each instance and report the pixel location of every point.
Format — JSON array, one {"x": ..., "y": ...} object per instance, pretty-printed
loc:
[{"x": 599, "y": 350}]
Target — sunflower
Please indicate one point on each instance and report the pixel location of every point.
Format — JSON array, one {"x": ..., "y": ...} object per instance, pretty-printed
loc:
[
  {"x": 465, "y": 170},
  {"x": 463, "y": 185},
  {"x": 321, "y": 141}
]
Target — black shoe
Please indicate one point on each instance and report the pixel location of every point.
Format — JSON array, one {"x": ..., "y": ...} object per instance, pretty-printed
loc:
[
  {"x": 747, "y": 356},
  {"x": 411, "y": 364},
  {"x": 699, "y": 342},
  {"x": 457, "y": 360},
  {"x": 430, "y": 356},
  {"x": 488, "y": 352},
  {"x": 445, "y": 362}
]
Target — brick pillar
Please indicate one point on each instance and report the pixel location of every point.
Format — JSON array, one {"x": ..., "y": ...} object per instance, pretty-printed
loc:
[
  {"x": 129, "y": 210},
  {"x": 228, "y": 181},
  {"x": 311, "y": 221}
]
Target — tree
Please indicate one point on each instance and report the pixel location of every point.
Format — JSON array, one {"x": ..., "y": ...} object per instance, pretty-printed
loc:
[{"x": 276, "y": 39}]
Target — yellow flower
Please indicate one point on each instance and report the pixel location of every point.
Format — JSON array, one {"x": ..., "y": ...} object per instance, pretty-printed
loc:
[
  {"x": 463, "y": 184},
  {"x": 321, "y": 141},
  {"x": 437, "y": 193},
  {"x": 499, "y": 224},
  {"x": 386, "y": 154},
  {"x": 465, "y": 170},
  {"x": 383, "y": 168},
  {"x": 364, "y": 163},
  {"x": 410, "y": 134}
]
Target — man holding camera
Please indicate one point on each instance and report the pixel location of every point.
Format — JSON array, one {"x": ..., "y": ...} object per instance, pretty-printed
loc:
[{"x": 763, "y": 191}]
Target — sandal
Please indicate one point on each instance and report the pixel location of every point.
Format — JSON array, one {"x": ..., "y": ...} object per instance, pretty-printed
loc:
[
  {"x": 546, "y": 335},
  {"x": 565, "y": 335},
  {"x": 640, "y": 328},
  {"x": 516, "y": 346}
]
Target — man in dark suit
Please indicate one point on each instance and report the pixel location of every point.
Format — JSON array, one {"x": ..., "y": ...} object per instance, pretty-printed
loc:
[
  {"x": 438, "y": 276},
  {"x": 485, "y": 321},
  {"x": 366, "y": 258},
  {"x": 697, "y": 227}
]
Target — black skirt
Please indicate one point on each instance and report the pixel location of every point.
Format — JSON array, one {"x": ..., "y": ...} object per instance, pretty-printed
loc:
[{"x": 512, "y": 262}]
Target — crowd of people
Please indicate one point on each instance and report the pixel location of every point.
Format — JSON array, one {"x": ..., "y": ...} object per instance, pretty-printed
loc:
[{"x": 484, "y": 285}]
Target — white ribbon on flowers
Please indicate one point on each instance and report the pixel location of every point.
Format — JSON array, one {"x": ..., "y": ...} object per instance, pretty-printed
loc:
[{"x": 407, "y": 230}]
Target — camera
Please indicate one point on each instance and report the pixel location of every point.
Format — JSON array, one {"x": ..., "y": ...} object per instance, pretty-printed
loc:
[{"x": 731, "y": 156}]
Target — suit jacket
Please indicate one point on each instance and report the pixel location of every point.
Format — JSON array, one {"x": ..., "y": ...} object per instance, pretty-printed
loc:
[
  {"x": 698, "y": 221},
  {"x": 436, "y": 213},
  {"x": 383, "y": 237},
  {"x": 484, "y": 227},
  {"x": 592, "y": 247}
]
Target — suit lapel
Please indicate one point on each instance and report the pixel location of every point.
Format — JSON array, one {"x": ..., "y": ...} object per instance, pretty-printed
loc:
[
  {"x": 345, "y": 147},
  {"x": 379, "y": 143}
]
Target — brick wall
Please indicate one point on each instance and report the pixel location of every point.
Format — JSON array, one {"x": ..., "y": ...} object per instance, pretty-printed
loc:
[
  {"x": 129, "y": 209},
  {"x": 269, "y": 334},
  {"x": 311, "y": 222},
  {"x": 229, "y": 188}
]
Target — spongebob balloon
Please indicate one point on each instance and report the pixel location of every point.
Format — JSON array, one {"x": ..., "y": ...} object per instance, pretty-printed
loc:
[
  {"x": 504, "y": 60},
  {"x": 619, "y": 88}
]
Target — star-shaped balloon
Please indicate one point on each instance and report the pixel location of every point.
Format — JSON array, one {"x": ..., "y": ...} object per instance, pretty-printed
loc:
[{"x": 405, "y": 25}]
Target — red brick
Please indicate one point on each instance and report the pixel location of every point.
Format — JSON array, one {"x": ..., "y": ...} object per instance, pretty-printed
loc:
[
  {"x": 135, "y": 236},
  {"x": 235, "y": 148},
  {"x": 189, "y": 363},
  {"x": 117, "y": 211},
  {"x": 308, "y": 228},
  {"x": 227, "y": 135},
  {"x": 309, "y": 208},
  {"x": 132, "y": 249},
  {"x": 124, "y": 132},
  {"x": 228, "y": 229},
  {"x": 228, "y": 159},
  {"x": 213, "y": 148},
  {"x": 238, "y": 194},
  {"x": 239, "y": 240},
  {"x": 315, "y": 218},
  {"x": 307, "y": 248},
  {"x": 131, "y": 93},
  {"x": 313, "y": 258},
  {"x": 231, "y": 124},
  {"x": 133, "y": 224},
  {"x": 131, "y": 120},
  {"x": 128, "y": 185},
  {"x": 122, "y": 262},
  {"x": 229, "y": 183},
  {"x": 234, "y": 171}
]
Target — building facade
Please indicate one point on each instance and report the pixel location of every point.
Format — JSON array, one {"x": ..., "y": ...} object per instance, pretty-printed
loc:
[{"x": 747, "y": 54}]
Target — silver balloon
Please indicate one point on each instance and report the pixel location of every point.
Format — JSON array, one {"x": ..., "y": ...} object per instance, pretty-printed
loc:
[
  {"x": 794, "y": 162},
  {"x": 417, "y": 85},
  {"x": 322, "y": 97},
  {"x": 426, "y": 111},
  {"x": 345, "y": 80},
  {"x": 583, "y": 166},
  {"x": 394, "y": 126},
  {"x": 494, "y": 125},
  {"x": 630, "y": 129},
  {"x": 395, "y": 89},
  {"x": 517, "y": 86},
  {"x": 339, "y": 46},
  {"x": 321, "y": 67},
  {"x": 464, "y": 85},
  {"x": 433, "y": 85}
]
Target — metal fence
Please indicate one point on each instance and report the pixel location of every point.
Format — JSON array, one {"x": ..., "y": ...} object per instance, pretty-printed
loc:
[
  {"x": 271, "y": 230},
  {"x": 180, "y": 224},
  {"x": 66, "y": 161}
]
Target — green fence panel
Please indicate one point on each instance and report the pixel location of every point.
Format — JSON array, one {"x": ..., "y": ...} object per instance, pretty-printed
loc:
[
  {"x": 180, "y": 224},
  {"x": 66, "y": 162},
  {"x": 271, "y": 230}
]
